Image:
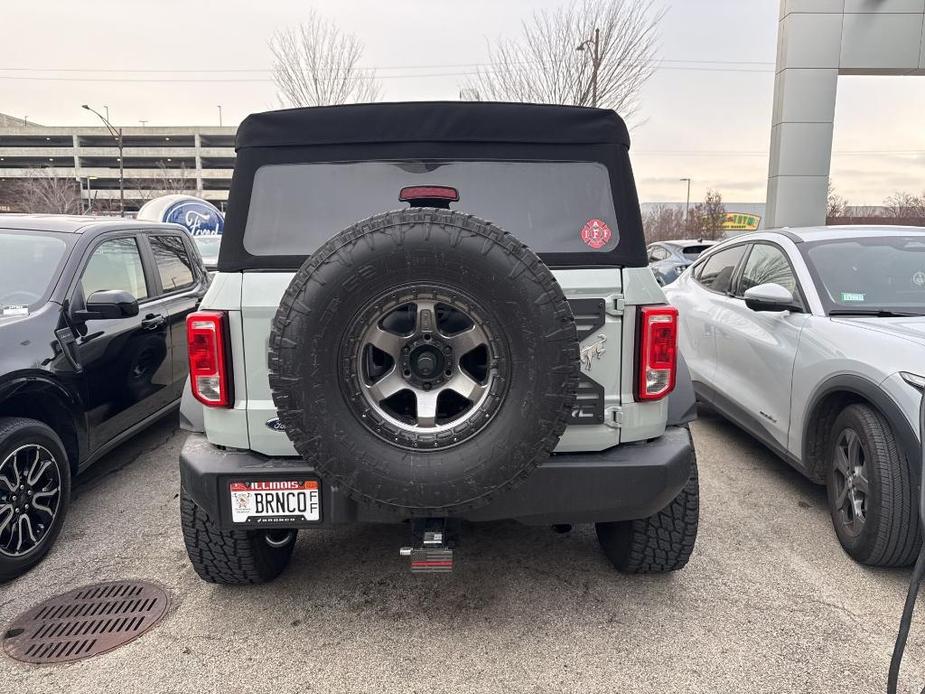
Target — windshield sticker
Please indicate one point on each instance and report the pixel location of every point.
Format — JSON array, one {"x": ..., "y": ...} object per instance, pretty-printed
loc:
[
  {"x": 596, "y": 234},
  {"x": 918, "y": 279},
  {"x": 847, "y": 297},
  {"x": 14, "y": 311}
]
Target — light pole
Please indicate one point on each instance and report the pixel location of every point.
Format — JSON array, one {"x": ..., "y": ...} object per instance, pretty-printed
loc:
[
  {"x": 687, "y": 206},
  {"x": 117, "y": 134},
  {"x": 219, "y": 115},
  {"x": 595, "y": 46}
]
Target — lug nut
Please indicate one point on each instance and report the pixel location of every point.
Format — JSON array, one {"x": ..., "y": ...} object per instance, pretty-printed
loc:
[{"x": 427, "y": 386}]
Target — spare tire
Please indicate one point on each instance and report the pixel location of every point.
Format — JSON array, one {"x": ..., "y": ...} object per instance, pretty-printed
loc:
[{"x": 424, "y": 360}]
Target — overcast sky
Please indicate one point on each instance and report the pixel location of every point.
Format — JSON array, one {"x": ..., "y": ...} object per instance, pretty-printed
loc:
[{"x": 708, "y": 120}]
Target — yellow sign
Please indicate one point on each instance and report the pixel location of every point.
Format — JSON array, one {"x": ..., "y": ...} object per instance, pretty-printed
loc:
[{"x": 741, "y": 221}]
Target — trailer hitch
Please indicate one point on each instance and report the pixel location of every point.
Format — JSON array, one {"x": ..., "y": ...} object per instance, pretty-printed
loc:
[{"x": 430, "y": 552}]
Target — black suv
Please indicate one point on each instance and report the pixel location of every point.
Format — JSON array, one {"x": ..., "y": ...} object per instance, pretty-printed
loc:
[{"x": 92, "y": 349}]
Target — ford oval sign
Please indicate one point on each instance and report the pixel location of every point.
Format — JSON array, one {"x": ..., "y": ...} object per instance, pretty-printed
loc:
[{"x": 198, "y": 216}]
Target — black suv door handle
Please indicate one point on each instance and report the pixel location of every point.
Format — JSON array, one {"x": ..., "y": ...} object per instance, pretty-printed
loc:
[{"x": 153, "y": 322}]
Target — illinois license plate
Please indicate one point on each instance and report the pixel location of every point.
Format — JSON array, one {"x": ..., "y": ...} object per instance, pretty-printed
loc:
[{"x": 278, "y": 501}]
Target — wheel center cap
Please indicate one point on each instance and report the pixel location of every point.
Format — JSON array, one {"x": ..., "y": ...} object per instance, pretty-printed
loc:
[
  {"x": 426, "y": 361},
  {"x": 425, "y": 364}
]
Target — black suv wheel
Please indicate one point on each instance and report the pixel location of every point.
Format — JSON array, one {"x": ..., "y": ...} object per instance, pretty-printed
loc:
[{"x": 35, "y": 487}]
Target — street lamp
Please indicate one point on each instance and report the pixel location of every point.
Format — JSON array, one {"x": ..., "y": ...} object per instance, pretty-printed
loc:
[
  {"x": 595, "y": 46},
  {"x": 219, "y": 115},
  {"x": 117, "y": 134},
  {"x": 687, "y": 206}
]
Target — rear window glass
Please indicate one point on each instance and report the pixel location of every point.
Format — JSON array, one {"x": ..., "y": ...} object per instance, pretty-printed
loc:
[
  {"x": 693, "y": 252},
  {"x": 173, "y": 262},
  {"x": 716, "y": 272},
  {"x": 295, "y": 208}
]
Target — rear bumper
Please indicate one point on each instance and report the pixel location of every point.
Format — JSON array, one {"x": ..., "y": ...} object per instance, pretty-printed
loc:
[{"x": 626, "y": 482}]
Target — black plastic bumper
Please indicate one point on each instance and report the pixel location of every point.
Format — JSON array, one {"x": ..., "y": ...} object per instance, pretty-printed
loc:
[{"x": 629, "y": 481}]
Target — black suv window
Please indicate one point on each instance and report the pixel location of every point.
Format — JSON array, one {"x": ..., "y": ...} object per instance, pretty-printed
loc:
[
  {"x": 115, "y": 264},
  {"x": 767, "y": 263},
  {"x": 716, "y": 271},
  {"x": 173, "y": 263}
]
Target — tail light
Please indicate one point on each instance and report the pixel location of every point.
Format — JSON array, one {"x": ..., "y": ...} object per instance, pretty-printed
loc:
[
  {"x": 658, "y": 351},
  {"x": 208, "y": 363}
]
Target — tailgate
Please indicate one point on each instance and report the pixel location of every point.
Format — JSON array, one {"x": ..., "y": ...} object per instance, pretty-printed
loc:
[{"x": 596, "y": 298}]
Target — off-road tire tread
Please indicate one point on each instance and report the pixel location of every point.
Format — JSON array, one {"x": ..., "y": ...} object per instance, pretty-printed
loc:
[
  {"x": 292, "y": 310},
  {"x": 228, "y": 557},
  {"x": 662, "y": 542}
]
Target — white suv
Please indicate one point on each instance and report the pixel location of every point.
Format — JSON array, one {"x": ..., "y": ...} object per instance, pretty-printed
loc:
[
  {"x": 372, "y": 350},
  {"x": 813, "y": 340}
]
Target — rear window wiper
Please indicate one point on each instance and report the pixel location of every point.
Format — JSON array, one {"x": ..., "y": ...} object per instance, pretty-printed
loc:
[{"x": 876, "y": 312}]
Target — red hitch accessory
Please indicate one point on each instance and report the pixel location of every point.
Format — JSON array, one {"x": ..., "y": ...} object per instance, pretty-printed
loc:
[{"x": 433, "y": 557}]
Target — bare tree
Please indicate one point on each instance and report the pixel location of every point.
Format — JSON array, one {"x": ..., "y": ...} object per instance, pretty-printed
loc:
[
  {"x": 43, "y": 192},
  {"x": 545, "y": 65},
  {"x": 664, "y": 223},
  {"x": 905, "y": 205},
  {"x": 836, "y": 205},
  {"x": 168, "y": 181},
  {"x": 316, "y": 64},
  {"x": 706, "y": 218}
]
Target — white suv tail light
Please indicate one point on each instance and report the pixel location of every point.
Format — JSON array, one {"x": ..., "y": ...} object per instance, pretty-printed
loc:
[
  {"x": 658, "y": 351},
  {"x": 208, "y": 363}
]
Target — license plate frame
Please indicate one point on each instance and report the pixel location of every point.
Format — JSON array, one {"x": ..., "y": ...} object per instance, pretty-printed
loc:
[{"x": 283, "y": 502}]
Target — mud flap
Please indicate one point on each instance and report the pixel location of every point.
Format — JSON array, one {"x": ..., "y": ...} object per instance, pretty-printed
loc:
[{"x": 682, "y": 405}]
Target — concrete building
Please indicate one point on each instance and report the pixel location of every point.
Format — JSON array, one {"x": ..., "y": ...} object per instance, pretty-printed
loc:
[
  {"x": 196, "y": 160},
  {"x": 818, "y": 40}
]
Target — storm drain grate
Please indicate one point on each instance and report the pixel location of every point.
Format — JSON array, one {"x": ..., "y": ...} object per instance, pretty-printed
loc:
[{"x": 85, "y": 622}]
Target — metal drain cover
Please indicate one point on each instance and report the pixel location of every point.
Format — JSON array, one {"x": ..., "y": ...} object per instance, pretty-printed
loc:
[{"x": 85, "y": 622}]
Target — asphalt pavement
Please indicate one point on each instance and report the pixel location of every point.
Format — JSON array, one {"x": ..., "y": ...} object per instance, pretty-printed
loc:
[{"x": 769, "y": 602}]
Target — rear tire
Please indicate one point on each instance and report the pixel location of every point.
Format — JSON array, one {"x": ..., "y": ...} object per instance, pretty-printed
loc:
[
  {"x": 662, "y": 542},
  {"x": 231, "y": 557},
  {"x": 889, "y": 533}
]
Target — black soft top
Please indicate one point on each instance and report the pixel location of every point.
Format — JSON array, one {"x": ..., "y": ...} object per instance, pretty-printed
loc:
[
  {"x": 434, "y": 131},
  {"x": 433, "y": 121}
]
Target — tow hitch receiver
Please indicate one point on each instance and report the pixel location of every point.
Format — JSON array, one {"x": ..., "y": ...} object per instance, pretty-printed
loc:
[{"x": 431, "y": 553}]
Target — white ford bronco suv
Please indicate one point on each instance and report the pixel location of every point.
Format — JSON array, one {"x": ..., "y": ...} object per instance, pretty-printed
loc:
[{"x": 430, "y": 313}]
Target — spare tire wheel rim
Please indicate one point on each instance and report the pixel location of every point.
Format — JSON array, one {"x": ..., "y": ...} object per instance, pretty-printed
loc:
[{"x": 425, "y": 369}]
